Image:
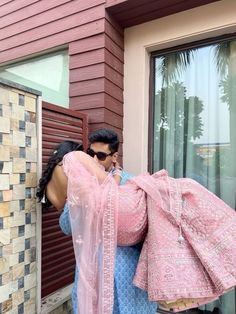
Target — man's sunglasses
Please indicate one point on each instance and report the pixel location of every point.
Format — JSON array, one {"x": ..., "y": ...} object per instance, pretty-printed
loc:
[{"x": 100, "y": 155}]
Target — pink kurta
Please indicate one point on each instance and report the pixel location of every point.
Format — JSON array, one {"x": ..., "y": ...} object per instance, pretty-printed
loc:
[{"x": 189, "y": 252}]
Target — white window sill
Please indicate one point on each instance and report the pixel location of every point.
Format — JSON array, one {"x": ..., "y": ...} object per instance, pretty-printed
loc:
[{"x": 54, "y": 300}]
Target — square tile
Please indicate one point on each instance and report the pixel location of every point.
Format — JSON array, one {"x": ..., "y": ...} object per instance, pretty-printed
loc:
[
  {"x": 28, "y": 141},
  {"x": 7, "y": 167},
  {"x": 27, "y": 116},
  {"x": 26, "y": 295},
  {"x": 6, "y": 111},
  {"x": 1, "y": 196},
  {"x": 21, "y": 125},
  {"x": 28, "y": 193},
  {"x": 28, "y": 218},
  {"x": 32, "y": 254},
  {"x": 21, "y": 256},
  {"x": 1, "y": 138},
  {"x": 7, "y": 195},
  {"x": 5, "y": 237},
  {"x": 4, "y": 153},
  {"x": 18, "y": 243},
  {"x": 28, "y": 166},
  {"x": 0, "y": 251},
  {"x": 5, "y": 125},
  {"x": 21, "y": 283},
  {"x": 1, "y": 223},
  {"x": 32, "y": 117},
  {"x": 1, "y": 110},
  {"x": 7, "y": 306},
  {"x": 21, "y": 308},
  {"x": 19, "y": 165},
  {"x": 22, "y": 204},
  {"x": 1, "y": 166},
  {"x": 14, "y": 124},
  {"x": 22, "y": 152},
  {"x": 27, "y": 244},
  {"x": 18, "y": 191},
  {"x": 18, "y": 138},
  {"x": 13, "y": 97},
  {"x": 5, "y": 209},
  {"x": 21, "y": 100},
  {"x": 31, "y": 154},
  {"x": 4, "y": 182},
  {"x": 0, "y": 280},
  {"x": 21, "y": 231},
  {"x": 27, "y": 269},
  {"x": 22, "y": 178}
]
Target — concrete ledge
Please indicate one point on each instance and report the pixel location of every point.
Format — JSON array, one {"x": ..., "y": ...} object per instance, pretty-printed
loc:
[
  {"x": 20, "y": 87},
  {"x": 56, "y": 299}
]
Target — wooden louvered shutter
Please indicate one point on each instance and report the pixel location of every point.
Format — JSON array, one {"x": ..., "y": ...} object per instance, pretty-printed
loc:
[{"x": 58, "y": 264}]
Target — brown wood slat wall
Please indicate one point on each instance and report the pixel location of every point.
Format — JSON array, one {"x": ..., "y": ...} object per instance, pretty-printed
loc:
[
  {"x": 95, "y": 45},
  {"x": 58, "y": 262},
  {"x": 96, "y": 77}
]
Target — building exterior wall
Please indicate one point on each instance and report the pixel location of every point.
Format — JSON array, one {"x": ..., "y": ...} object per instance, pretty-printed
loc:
[
  {"x": 18, "y": 181},
  {"x": 94, "y": 42},
  {"x": 200, "y": 23}
]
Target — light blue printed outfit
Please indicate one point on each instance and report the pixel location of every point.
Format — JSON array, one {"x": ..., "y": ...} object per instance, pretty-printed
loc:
[{"x": 127, "y": 298}]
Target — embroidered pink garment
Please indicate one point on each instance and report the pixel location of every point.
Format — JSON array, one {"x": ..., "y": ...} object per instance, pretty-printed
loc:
[{"x": 189, "y": 252}]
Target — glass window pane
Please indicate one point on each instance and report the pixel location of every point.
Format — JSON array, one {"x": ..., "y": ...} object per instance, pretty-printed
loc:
[
  {"x": 195, "y": 123},
  {"x": 48, "y": 74}
]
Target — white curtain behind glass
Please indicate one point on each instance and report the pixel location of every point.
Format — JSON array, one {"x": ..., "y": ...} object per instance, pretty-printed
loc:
[{"x": 195, "y": 123}]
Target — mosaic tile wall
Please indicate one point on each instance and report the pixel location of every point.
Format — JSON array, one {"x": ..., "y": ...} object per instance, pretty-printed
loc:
[{"x": 18, "y": 164}]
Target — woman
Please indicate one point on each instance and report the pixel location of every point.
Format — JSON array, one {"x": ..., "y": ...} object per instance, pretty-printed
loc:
[
  {"x": 189, "y": 252},
  {"x": 55, "y": 160}
]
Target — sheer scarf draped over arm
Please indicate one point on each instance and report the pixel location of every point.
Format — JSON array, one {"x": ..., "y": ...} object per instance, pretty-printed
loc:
[
  {"x": 189, "y": 251},
  {"x": 94, "y": 205},
  {"x": 93, "y": 223}
]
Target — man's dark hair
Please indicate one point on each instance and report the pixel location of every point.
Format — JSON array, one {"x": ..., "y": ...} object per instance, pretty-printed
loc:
[{"x": 106, "y": 136}]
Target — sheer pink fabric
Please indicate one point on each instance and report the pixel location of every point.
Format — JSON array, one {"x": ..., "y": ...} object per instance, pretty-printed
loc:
[
  {"x": 93, "y": 200},
  {"x": 189, "y": 252}
]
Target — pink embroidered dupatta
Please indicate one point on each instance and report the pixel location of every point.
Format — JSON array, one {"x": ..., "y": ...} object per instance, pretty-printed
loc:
[
  {"x": 93, "y": 200},
  {"x": 189, "y": 253}
]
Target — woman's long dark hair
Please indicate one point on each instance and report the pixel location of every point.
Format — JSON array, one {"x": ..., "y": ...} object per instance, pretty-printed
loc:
[{"x": 58, "y": 154}]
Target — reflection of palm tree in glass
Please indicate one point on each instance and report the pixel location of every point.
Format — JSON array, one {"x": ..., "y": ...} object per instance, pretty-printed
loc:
[
  {"x": 172, "y": 65},
  {"x": 178, "y": 124},
  {"x": 185, "y": 124},
  {"x": 225, "y": 56}
]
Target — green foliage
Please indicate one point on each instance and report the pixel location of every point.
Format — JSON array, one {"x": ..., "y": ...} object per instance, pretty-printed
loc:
[{"x": 188, "y": 122}]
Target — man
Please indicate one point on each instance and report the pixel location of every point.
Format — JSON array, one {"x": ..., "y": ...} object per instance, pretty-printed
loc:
[{"x": 128, "y": 299}]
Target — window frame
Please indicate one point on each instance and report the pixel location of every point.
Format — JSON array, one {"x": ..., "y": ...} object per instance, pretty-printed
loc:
[{"x": 153, "y": 55}]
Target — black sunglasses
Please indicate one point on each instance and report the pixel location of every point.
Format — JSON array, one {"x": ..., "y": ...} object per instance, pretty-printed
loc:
[{"x": 100, "y": 155}]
